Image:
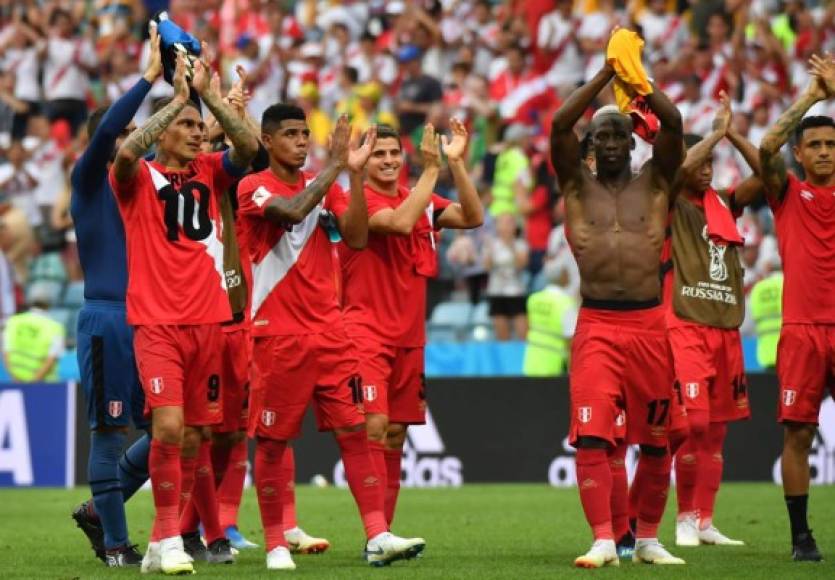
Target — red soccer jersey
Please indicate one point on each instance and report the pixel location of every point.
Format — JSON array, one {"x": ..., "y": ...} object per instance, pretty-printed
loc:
[
  {"x": 805, "y": 224},
  {"x": 294, "y": 278},
  {"x": 385, "y": 284},
  {"x": 175, "y": 265}
]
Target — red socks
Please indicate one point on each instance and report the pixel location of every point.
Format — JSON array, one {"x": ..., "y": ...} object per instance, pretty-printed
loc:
[
  {"x": 378, "y": 457},
  {"x": 687, "y": 470},
  {"x": 288, "y": 489},
  {"x": 363, "y": 481},
  {"x": 233, "y": 462},
  {"x": 203, "y": 497},
  {"x": 620, "y": 491},
  {"x": 166, "y": 481},
  {"x": 393, "y": 459},
  {"x": 652, "y": 495},
  {"x": 689, "y": 463},
  {"x": 711, "y": 464},
  {"x": 188, "y": 465},
  {"x": 594, "y": 481},
  {"x": 268, "y": 456}
]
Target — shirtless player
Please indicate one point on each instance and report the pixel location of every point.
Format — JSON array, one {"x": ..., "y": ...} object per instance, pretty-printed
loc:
[{"x": 620, "y": 357}]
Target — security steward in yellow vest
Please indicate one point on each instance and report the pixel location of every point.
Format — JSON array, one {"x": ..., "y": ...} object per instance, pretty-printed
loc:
[
  {"x": 32, "y": 344},
  {"x": 552, "y": 316},
  {"x": 766, "y": 303}
]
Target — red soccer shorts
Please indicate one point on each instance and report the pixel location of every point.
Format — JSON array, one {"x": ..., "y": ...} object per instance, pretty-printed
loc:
[
  {"x": 292, "y": 371},
  {"x": 237, "y": 353},
  {"x": 621, "y": 361},
  {"x": 805, "y": 369},
  {"x": 710, "y": 372},
  {"x": 179, "y": 366},
  {"x": 393, "y": 381}
]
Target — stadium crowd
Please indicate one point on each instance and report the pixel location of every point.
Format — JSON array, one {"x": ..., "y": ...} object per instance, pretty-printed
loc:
[{"x": 502, "y": 67}]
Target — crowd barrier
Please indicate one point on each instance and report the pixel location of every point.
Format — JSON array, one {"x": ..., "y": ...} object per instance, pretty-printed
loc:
[{"x": 485, "y": 430}]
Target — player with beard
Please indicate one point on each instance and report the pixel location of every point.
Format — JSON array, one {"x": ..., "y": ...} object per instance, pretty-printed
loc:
[
  {"x": 621, "y": 360},
  {"x": 805, "y": 225},
  {"x": 387, "y": 325},
  {"x": 176, "y": 297}
]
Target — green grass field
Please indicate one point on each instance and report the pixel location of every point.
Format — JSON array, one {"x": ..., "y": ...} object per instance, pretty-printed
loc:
[{"x": 478, "y": 531}]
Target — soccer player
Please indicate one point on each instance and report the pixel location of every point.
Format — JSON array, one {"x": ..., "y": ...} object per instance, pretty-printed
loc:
[
  {"x": 176, "y": 297},
  {"x": 301, "y": 351},
  {"x": 105, "y": 341},
  {"x": 805, "y": 226},
  {"x": 228, "y": 449},
  {"x": 706, "y": 305},
  {"x": 388, "y": 325},
  {"x": 620, "y": 356}
]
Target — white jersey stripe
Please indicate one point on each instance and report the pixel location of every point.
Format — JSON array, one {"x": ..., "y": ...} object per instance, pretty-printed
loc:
[{"x": 275, "y": 265}]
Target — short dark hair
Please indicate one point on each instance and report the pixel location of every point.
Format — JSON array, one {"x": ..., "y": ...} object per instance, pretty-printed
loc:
[
  {"x": 160, "y": 104},
  {"x": 59, "y": 13},
  {"x": 385, "y": 132},
  {"x": 95, "y": 118},
  {"x": 275, "y": 114},
  {"x": 691, "y": 139},
  {"x": 351, "y": 73},
  {"x": 812, "y": 122}
]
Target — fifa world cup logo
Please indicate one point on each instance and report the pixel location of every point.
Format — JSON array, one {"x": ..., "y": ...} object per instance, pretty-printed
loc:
[{"x": 718, "y": 269}]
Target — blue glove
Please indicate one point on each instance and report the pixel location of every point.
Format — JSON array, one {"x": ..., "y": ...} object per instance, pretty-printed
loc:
[{"x": 172, "y": 39}]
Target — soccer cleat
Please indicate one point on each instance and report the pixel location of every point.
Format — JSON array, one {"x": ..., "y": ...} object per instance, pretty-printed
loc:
[
  {"x": 653, "y": 552},
  {"x": 173, "y": 558},
  {"x": 602, "y": 553},
  {"x": 123, "y": 557},
  {"x": 151, "y": 562},
  {"x": 220, "y": 552},
  {"x": 714, "y": 537},
  {"x": 194, "y": 547},
  {"x": 385, "y": 548},
  {"x": 300, "y": 542},
  {"x": 91, "y": 526},
  {"x": 237, "y": 539},
  {"x": 626, "y": 545},
  {"x": 687, "y": 531},
  {"x": 279, "y": 558},
  {"x": 805, "y": 549}
]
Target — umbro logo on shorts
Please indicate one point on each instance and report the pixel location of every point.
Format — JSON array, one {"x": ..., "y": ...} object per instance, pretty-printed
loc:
[
  {"x": 157, "y": 385},
  {"x": 692, "y": 390},
  {"x": 584, "y": 414},
  {"x": 370, "y": 392},
  {"x": 268, "y": 417},
  {"x": 114, "y": 408},
  {"x": 620, "y": 420},
  {"x": 789, "y": 397}
]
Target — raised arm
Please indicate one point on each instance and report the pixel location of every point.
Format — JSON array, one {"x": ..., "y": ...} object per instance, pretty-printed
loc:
[
  {"x": 752, "y": 188},
  {"x": 92, "y": 165},
  {"x": 772, "y": 164},
  {"x": 138, "y": 143},
  {"x": 667, "y": 151},
  {"x": 701, "y": 152},
  {"x": 353, "y": 224},
  {"x": 468, "y": 212},
  {"x": 565, "y": 147},
  {"x": 244, "y": 143},
  {"x": 402, "y": 219}
]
